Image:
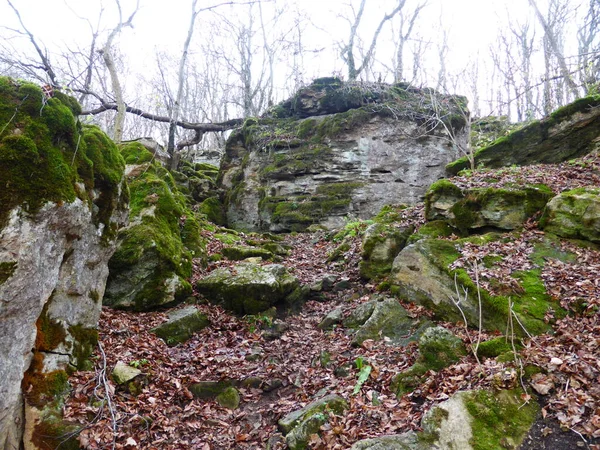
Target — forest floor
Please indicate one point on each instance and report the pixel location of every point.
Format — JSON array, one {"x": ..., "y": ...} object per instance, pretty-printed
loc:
[{"x": 300, "y": 363}]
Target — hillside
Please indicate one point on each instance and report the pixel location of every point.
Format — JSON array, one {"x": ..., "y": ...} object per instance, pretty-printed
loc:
[{"x": 280, "y": 364}]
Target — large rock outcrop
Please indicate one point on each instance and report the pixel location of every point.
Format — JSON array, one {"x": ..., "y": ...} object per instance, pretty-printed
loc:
[
  {"x": 569, "y": 132},
  {"x": 154, "y": 257},
  {"x": 61, "y": 204},
  {"x": 336, "y": 149}
]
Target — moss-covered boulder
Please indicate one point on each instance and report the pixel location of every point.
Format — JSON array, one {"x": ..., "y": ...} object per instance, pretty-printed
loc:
[
  {"x": 229, "y": 398},
  {"x": 384, "y": 319},
  {"x": 569, "y": 132},
  {"x": 479, "y": 420},
  {"x": 472, "y": 209},
  {"x": 381, "y": 243},
  {"x": 422, "y": 274},
  {"x": 62, "y": 202},
  {"x": 208, "y": 390},
  {"x": 438, "y": 348},
  {"x": 299, "y": 425},
  {"x": 288, "y": 171},
  {"x": 123, "y": 373},
  {"x": 154, "y": 258},
  {"x": 241, "y": 252},
  {"x": 574, "y": 214},
  {"x": 250, "y": 288},
  {"x": 181, "y": 325}
]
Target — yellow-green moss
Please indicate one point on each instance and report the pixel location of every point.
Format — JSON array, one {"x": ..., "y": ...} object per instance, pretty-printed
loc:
[{"x": 499, "y": 419}]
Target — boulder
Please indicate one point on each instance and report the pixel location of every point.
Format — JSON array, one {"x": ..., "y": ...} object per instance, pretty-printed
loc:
[
  {"x": 299, "y": 425},
  {"x": 337, "y": 149},
  {"x": 62, "y": 203},
  {"x": 569, "y": 132},
  {"x": 154, "y": 257},
  {"x": 181, "y": 325},
  {"x": 472, "y": 209},
  {"x": 332, "y": 318},
  {"x": 239, "y": 252},
  {"x": 250, "y": 288},
  {"x": 229, "y": 398},
  {"x": 480, "y": 419},
  {"x": 381, "y": 243},
  {"x": 574, "y": 214},
  {"x": 421, "y": 274},
  {"x": 208, "y": 390},
  {"x": 384, "y": 319}
]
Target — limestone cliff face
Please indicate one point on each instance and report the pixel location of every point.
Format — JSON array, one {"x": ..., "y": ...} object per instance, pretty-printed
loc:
[
  {"x": 62, "y": 202},
  {"x": 337, "y": 150}
]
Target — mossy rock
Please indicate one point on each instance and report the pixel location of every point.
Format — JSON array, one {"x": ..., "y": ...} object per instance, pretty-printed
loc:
[
  {"x": 477, "y": 208},
  {"x": 154, "y": 256},
  {"x": 249, "y": 288},
  {"x": 239, "y": 253},
  {"x": 46, "y": 155},
  {"x": 299, "y": 425},
  {"x": 123, "y": 373},
  {"x": 381, "y": 243},
  {"x": 405, "y": 441},
  {"x": 433, "y": 230},
  {"x": 387, "y": 320},
  {"x": 229, "y": 398},
  {"x": 209, "y": 390},
  {"x": 421, "y": 274},
  {"x": 213, "y": 209},
  {"x": 181, "y": 325},
  {"x": 568, "y": 133},
  {"x": 574, "y": 214},
  {"x": 495, "y": 347},
  {"x": 438, "y": 348}
]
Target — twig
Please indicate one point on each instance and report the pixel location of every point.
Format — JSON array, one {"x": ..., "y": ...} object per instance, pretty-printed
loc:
[{"x": 106, "y": 386}]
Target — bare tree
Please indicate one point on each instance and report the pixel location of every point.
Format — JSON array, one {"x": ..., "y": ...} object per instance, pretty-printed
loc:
[
  {"x": 107, "y": 56},
  {"x": 554, "y": 46},
  {"x": 589, "y": 48},
  {"x": 406, "y": 24},
  {"x": 348, "y": 49}
]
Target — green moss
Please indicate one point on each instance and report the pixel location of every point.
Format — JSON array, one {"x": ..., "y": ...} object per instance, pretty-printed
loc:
[
  {"x": 496, "y": 347},
  {"x": 43, "y": 388},
  {"x": 44, "y": 152},
  {"x": 135, "y": 153},
  {"x": 213, "y": 209},
  {"x": 7, "y": 269},
  {"x": 206, "y": 390},
  {"x": 433, "y": 230},
  {"x": 409, "y": 380},
  {"x": 238, "y": 253},
  {"x": 52, "y": 433},
  {"x": 84, "y": 342},
  {"x": 229, "y": 398},
  {"x": 50, "y": 333},
  {"x": 500, "y": 419}
]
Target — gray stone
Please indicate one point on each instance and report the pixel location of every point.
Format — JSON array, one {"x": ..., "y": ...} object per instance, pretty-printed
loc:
[
  {"x": 181, "y": 325},
  {"x": 353, "y": 161},
  {"x": 333, "y": 403},
  {"x": 123, "y": 373},
  {"x": 332, "y": 318},
  {"x": 388, "y": 320}
]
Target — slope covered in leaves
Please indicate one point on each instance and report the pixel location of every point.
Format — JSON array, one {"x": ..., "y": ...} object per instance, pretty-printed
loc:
[{"x": 300, "y": 364}]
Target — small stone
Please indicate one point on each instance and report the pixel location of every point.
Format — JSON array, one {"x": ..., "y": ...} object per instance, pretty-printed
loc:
[
  {"x": 334, "y": 317},
  {"x": 123, "y": 373},
  {"x": 342, "y": 285},
  {"x": 229, "y": 398},
  {"x": 276, "y": 330},
  {"x": 181, "y": 326}
]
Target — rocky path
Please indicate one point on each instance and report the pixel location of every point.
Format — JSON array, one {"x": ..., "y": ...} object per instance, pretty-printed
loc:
[{"x": 278, "y": 364}]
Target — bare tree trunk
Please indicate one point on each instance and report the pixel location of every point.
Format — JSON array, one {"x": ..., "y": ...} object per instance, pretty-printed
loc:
[
  {"x": 404, "y": 36},
  {"x": 112, "y": 71},
  {"x": 180, "y": 84},
  {"x": 555, "y": 47}
]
